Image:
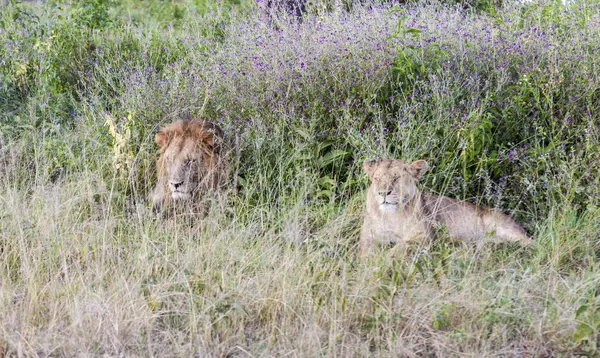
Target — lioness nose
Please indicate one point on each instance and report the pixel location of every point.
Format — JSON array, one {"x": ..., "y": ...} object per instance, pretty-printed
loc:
[{"x": 176, "y": 185}]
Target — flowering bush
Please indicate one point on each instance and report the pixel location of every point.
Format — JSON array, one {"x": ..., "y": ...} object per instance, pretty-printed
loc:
[{"x": 498, "y": 102}]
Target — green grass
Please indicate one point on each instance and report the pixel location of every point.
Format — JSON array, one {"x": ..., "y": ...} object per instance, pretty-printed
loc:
[{"x": 503, "y": 104}]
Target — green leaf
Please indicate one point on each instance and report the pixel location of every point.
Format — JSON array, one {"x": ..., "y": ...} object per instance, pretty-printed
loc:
[
  {"x": 330, "y": 157},
  {"x": 581, "y": 310},
  {"x": 304, "y": 134},
  {"x": 582, "y": 332},
  {"x": 327, "y": 182},
  {"x": 239, "y": 308}
]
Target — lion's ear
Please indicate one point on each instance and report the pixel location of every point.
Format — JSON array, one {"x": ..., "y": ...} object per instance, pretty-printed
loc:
[
  {"x": 369, "y": 167},
  {"x": 207, "y": 134},
  {"x": 162, "y": 138},
  {"x": 216, "y": 144},
  {"x": 418, "y": 168}
]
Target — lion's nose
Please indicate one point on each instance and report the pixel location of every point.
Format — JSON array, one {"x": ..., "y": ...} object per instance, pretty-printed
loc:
[{"x": 176, "y": 185}]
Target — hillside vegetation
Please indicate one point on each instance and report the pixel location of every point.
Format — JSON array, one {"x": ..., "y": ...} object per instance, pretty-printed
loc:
[{"x": 503, "y": 102}]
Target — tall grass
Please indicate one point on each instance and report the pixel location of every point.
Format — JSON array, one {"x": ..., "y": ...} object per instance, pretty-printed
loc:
[{"x": 504, "y": 104}]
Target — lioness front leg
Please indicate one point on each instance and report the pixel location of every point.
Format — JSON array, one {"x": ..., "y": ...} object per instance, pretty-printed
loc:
[
  {"x": 365, "y": 242},
  {"x": 421, "y": 239},
  {"x": 366, "y": 248}
]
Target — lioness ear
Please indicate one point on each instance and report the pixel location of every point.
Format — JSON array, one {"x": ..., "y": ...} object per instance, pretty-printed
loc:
[
  {"x": 161, "y": 138},
  {"x": 418, "y": 168},
  {"x": 369, "y": 167}
]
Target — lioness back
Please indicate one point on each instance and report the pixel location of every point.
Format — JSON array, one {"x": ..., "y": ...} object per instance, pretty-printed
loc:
[
  {"x": 468, "y": 222},
  {"x": 398, "y": 212}
]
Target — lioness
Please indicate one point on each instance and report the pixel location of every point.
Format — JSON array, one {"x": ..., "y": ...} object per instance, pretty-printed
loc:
[
  {"x": 397, "y": 212},
  {"x": 190, "y": 161}
]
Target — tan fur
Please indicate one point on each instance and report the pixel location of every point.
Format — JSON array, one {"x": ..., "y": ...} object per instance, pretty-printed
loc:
[
  {"x": 190, "y": 162},
  {"x": 398, "y": 212}
]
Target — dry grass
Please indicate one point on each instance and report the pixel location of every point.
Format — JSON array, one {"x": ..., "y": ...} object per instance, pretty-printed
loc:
[{"x": 79, "y": 278}]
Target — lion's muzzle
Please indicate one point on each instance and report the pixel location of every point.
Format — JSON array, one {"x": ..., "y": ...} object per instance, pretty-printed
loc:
[{"x": 179, "y": 190}]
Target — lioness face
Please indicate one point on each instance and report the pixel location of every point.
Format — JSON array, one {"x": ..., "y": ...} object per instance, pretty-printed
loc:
[{"x": 394, "y": 182}]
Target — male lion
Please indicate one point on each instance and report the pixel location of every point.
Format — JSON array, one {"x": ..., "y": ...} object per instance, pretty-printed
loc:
[
  {"x": 190, "y": 161},
  {"x": 398, "y": 212}
]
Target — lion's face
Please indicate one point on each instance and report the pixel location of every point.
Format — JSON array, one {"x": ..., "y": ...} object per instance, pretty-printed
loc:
[
  {"x": 185, "y": 167},
  {"x": 394, "y": 182},
  {"x": 189, "y": 152}
]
